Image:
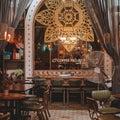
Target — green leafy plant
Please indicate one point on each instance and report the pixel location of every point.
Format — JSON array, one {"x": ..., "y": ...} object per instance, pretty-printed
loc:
[{"x": 19, "y": 73}]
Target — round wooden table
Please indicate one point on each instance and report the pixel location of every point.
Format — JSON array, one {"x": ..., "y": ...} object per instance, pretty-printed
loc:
[{"x": 12, "y": 103}]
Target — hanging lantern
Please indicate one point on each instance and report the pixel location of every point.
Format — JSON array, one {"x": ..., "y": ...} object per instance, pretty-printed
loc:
[
  {"x": 44, "y": 47},
  {"x": 3, "y": 31},
  {"x": 49, "y": 47},
  {"x": 10, "y": 34}
]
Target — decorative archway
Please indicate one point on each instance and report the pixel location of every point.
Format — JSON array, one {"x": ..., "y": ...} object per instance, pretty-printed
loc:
[{"x": 29, "y": 37}]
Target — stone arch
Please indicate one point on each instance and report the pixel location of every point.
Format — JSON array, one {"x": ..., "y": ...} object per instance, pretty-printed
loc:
[{"x": 29, "y": 37}]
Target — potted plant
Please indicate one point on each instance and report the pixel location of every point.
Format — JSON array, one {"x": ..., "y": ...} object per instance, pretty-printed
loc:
[
  {"x": 5, "y": 85},
  {"x": 19, "y": 74},
  {"x": 6, "y": 82}
]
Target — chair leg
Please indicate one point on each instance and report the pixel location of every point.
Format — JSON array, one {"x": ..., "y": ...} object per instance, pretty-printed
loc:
[
  {"x": 46, "y": 116},
  {"x": 50, "y": 97},
  {"x": 25, "y": 115},
  {"x": 64, "y": 97},
  {"x": 40, "y": 115},
  {"x": 48, "y": 112},
  {"x": 67, "y": 97},
  {"x": 82, "y": 97}
]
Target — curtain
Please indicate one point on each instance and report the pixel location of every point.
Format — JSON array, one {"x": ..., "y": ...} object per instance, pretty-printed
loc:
[
  {"x": 10, "y": 14},
  {"x": 12, "y": 10},
  {"x": 105, "y": 19}
]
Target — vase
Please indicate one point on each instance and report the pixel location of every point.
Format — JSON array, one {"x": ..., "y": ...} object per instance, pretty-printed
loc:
[
  {"x": 6, "y": 92},
  {"x": 11, "y": 87}
]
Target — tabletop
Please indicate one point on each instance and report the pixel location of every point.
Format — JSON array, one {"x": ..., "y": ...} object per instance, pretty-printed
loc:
[
  {"x": 13, "y": 103},
  {"x": 117, "y": 96},
  {"x": 12, "y": 96}
]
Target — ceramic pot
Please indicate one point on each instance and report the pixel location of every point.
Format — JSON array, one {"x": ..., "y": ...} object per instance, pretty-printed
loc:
[{"x": 6, "y": 92}]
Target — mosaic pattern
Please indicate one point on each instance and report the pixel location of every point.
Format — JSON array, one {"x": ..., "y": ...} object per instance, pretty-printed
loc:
[
  {"x": 66, "y": 115},
  {"x": 69, "y": 115},
  {"x": 29, "y": 37},
  {"x": 67, "y": 19},
  {"x": 29, "y": 62}
]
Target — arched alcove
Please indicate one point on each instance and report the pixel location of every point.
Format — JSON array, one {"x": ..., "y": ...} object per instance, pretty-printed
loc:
[{"x": 29, "y": 38}]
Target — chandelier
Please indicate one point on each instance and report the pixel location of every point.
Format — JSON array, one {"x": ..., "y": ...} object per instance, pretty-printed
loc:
[{"x": 66, "y": 21}]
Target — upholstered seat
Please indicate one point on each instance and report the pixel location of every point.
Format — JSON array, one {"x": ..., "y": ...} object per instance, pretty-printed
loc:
[
  {"x": 95, "y": 112},
  {"x": 103, "y": 96},
  {"x": 109, "y": 117}
]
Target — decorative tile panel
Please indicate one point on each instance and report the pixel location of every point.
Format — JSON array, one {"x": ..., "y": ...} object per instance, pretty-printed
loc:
[{"x": 29, "y": 37}]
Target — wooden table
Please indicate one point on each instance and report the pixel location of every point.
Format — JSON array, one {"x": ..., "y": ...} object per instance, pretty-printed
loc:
[
  {"x": 13, "y": 103},
  {"x": 22, "y": 87},
  {"x": 117, "y": 96},
  {"x": 12, "y": 96}
]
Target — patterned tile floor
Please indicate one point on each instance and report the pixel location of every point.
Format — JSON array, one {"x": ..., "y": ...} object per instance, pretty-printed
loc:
[
  {"x": 66, "y": 115},
  {"x": 59, "y": 111},
  {"x": 69, "y": 115}
]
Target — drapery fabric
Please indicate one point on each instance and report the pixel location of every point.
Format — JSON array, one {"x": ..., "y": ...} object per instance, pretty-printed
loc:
[
  {"x": 10, "y": 14},
  {"x": 105, "y": 18},
  {"x": 12, "y": 10}
]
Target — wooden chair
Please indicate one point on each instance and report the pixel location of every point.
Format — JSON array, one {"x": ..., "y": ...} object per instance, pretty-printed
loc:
[
  {"x": 95, "y": 112},
  {"x": 87, "y": 89},
  {"x": 109, "y": 117},
  {"x": 34, "y": 106},
  {"x": 57, "y": 88},
  {"x": 103, "y": 96},
  {"x": 4, "y": 116},
  {"x": 74, "y": 89},
  {"x": 43, "y": 100}
]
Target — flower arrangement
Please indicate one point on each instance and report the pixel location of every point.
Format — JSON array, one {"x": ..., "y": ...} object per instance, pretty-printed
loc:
[
  {"x": 19, "y": 73},
  {"x": 5, "y": 82}
]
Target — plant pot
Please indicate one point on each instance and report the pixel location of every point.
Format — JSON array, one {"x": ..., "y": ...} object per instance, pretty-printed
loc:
[
  {"x": 11, "y": 87},
  {"x": 6, "y": 92}
]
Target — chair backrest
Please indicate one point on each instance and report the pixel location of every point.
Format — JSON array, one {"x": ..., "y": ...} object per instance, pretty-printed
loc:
[
  {"x": 74, "y": 83},
  {"x": 39, "y": 81},
  {"x": 101, "y": 94},
  {"x": 57, "y": 82}
]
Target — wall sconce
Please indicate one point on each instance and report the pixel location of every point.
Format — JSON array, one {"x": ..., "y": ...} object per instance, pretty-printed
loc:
[
  {"x": 10, "y": 34},
  {"x": 6, "y": 33},
  {"x": 3, "y": 31}
]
